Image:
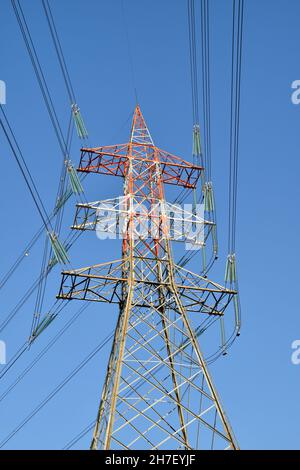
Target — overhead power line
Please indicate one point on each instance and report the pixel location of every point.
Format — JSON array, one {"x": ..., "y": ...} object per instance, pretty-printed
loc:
[
  {"x": 59, "y": 51},
  {"x": 236, "y": 69},
  {"x": 57, "y": 389},
  {"x": 16, "y": 151},
  {"x": 205, "y": 53},
  {"x": 201, "y": 155},
  {"x": 70, "y": 240},
  {"x": 24, "y": 28},
  {"x": 80, "y": 126},
  {"x": 43, "y": 352},
  {"x": 231, "y": 277}
]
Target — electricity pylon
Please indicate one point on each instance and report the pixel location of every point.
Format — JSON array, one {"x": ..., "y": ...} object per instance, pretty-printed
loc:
[{"x": 158, "y": 392}]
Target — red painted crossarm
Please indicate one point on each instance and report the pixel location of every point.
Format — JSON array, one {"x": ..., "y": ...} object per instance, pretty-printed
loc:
[{"x": 112, "y": 160}]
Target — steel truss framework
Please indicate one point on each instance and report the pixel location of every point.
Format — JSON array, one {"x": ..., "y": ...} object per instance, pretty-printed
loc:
[{"x": 158, "y": 393}]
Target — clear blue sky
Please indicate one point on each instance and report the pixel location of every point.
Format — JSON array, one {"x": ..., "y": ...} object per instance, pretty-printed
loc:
[{"x": 258, "y": 384}]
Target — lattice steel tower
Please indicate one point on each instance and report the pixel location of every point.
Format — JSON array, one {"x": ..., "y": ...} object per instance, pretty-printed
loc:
[{"x": 158, "y": 393}]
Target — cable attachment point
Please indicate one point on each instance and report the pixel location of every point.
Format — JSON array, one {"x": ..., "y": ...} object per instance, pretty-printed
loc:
[
  {"x": 80, "y": 126},
  {"x": 209, "y": 200},
  {"x": 196, "y": 141},
  {"x": 74, "y": 180},
  {"x": 48, "y": 318},
  {"x": 59, "y": 251},
  {"x": 230, "y": 270}
]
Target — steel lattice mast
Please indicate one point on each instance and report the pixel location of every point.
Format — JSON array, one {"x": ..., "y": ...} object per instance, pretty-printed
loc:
[{"x": 158, "y": 392}]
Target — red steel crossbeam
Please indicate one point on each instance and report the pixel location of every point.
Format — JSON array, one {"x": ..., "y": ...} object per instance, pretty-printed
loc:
[{"x": 112, "y": 160}]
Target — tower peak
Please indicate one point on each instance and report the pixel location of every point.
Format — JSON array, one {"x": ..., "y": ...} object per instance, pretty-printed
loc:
[{"x": 139, "y": 131}]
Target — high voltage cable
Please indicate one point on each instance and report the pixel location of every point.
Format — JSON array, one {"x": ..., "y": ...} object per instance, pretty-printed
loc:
[
  {"x": 57, "y": 389},
  {"x": 20, "y": 304},
  {"x": 205, "y": 56},
  {"x": 236, "y": 63},
  {"x": 48, "y": 253},
  {"x": 79, "y": 436},
  {"x": 32, "y": 288},
  {"x": 39, "y": 73},
  {"x": 41, "y": 288},
  {"x": 201, "y": 157},
  {"x": 205, "y": 52},
  {"x": 57, "y": 248},
  {"x": 237, "y": 38},
  {"x": 26, "y": 250},
  {"x": 81, "y": 129},
  {"x": 39, "y": 205},
  {"x": 28, "y": 342},
  {"x": 193, "y": 61},
  {"x": 21, "y": 257},
  {"x": 23, "y": 25},
  {"x": 234, "y": 131},
  {"x": 42, "y": 353},
  {"x": 59, "y": 51},
  {"x": 14, "y": 359},
  {"x": 63, "y": 144},
  {"x": 16, "y": 151},
  {"x": 236, "y": 67},
  {"x": 62, "y": 180}
]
